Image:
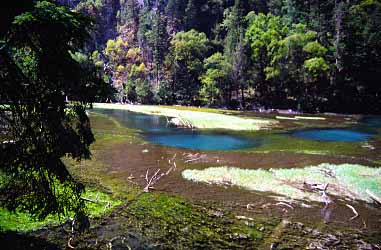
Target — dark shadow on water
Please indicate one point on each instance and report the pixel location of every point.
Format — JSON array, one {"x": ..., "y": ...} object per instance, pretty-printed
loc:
[{"x": 372, "y": 121}]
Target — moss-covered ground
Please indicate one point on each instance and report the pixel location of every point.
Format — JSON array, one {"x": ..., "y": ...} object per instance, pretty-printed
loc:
[{"x": 22, "y": 221}]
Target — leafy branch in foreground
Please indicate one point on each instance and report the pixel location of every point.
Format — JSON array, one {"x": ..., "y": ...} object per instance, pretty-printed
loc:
[{"x": 37, "y": 73}]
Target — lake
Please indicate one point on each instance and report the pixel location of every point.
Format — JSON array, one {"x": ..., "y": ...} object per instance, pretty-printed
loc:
[{"x": 155, "y": 129}]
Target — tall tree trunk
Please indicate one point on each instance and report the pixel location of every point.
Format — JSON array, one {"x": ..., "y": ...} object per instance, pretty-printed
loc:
[
  {"x": 339, "y": 13},
  {"x": 243, "y": 95}
]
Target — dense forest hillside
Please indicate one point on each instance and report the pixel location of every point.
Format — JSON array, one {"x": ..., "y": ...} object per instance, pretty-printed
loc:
[{"x": 313, "y": 56}]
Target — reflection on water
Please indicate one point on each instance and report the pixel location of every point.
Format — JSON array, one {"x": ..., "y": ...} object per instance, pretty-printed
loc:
[{"x": 156, "y": 130}]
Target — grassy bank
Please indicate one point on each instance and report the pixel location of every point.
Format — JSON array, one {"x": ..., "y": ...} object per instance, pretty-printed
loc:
[{"x": 198, "y": 119}]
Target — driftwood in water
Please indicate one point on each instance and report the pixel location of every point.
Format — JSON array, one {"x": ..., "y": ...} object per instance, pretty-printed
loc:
[
  {"x": 180, "y": 122},
  {"x": 150, "y": 181}
]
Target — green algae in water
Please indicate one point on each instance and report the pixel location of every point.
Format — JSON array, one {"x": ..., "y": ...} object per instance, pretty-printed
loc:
[
  {"x": 177, "y": 224},
  {"x": 347, "y": 180}
]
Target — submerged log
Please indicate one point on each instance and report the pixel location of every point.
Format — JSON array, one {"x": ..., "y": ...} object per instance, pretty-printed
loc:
[{"x": 179, "y": 122}]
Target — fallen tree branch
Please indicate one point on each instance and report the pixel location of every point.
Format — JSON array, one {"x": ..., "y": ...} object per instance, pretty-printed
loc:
[
  {"x": 284, "y": 204},
  {"x": 108, "y": 205},
  {"x": 193, "y": 159},
  {"x": 354, "y": 211},
  {"x": 109, "y": 245},
  {"x": 373, "y": 196},
  {"x": 69, "y": 243},
  {"x": 89, "y": 200},
  {"x": 156, "y": 177},
  {"x": 250, "y": 205}
]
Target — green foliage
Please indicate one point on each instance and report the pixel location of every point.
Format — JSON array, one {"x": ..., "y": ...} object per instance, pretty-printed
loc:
[
  {"x": 265, "y": 33},
  {"x": 316, "y": 66},
  {"x": 314, "y": 48},
  {"x": 79, "y": 57},
  {"x": 116, "y": 50},
  {"x": 23, "y": 221},
  {"x": 215, "y": 79},
  {"x": 37, "y": 71},
  {"x": 184, "y": 63},
  {"x": 127, "y": 67},
  {"x": 288, "y": 57},
  {"x": 87, "y": 4},
  {"x": 143, "y": 91},
  {"x": 288, "y": 40}
]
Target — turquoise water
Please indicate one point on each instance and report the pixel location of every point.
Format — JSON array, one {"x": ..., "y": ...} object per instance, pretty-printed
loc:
[
  {"x": 363, "y": 131},
  {"x": 203, "y": 141},
  {"x": 338, "y": 135},
  {"x": 156, "y": 130}
]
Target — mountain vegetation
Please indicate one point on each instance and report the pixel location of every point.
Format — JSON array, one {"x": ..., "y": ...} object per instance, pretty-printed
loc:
[
  {"x": 39, "y": 71},
  {"x": 288, "y": 54}
]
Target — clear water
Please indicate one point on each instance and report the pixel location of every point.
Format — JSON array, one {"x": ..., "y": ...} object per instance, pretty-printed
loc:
[
  {"x": 155, "y": 130},
  {"x": 203, "y": 141},
  {"x": 373, "y": 122},
  {"x": 367, "y": 128},
  {"x": 338, "y": 135}
]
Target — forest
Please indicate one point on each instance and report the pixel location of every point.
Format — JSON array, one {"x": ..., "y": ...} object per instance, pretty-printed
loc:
[
  {"x": 312, "y": 56},
  {"x": 190, "y": 124}
]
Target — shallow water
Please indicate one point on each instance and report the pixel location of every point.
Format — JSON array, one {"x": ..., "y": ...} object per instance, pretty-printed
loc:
[
  {"x": 195, "y": 140},
  {"x": 156, "y": 130},
  {"x": 126, "y": 159},
  {"x": 334, "y": 135},
  {"x": 363, "y": 131}
]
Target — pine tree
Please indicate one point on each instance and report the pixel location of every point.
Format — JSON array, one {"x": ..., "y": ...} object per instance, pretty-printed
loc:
[
  {"x": 234, "y": 24},
  {"x": 159, "y": 40}
]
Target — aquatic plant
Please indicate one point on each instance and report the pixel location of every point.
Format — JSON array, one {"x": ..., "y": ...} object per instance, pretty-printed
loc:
[{"x": 347, "y": 180}]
